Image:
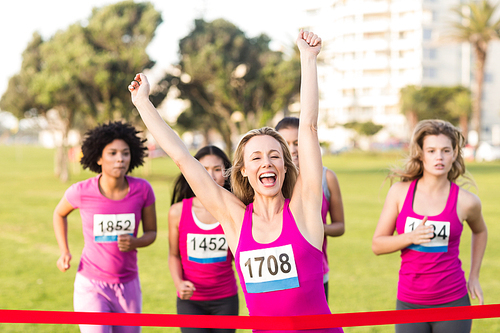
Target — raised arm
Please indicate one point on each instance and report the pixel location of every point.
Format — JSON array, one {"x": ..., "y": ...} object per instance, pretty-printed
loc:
[
  {"x": 307, "y": 195},
  {"x": 223, "y": 205}
]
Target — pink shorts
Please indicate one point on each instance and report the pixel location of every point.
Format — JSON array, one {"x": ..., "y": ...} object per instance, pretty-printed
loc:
[{"x": 98, "y": 296}]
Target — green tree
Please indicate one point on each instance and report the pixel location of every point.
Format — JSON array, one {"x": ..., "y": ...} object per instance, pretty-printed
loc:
[
  {"x": 83, "y": 72},
  {"x": 411, "y": 104},
  {"x": 429, "y": 102},
  {"x": 225, "y": 75},
  {"x": 18, "y": 98},
  {"x": 477, "y": 25}
]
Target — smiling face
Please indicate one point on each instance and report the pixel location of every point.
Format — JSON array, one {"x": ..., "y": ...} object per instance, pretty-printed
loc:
[
  {"x": 115, "y": 159},
  {"x": 215, "y": 167},
  {"x": 437, "y": 154},
  {"x": 264, "y": 165},
  {"x": 291, "y": 136}
]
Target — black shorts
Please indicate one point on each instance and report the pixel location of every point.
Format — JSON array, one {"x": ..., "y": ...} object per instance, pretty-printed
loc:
[
  {"x": 452, "y": 326},
  {"x": 222, "y": 306}
]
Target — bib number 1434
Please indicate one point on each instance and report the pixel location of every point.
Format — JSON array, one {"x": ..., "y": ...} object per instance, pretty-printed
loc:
[{"x": 439, "y": 240}]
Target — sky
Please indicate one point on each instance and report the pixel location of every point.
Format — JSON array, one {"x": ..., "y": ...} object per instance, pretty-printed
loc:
[{"x": 19, "y": 19}]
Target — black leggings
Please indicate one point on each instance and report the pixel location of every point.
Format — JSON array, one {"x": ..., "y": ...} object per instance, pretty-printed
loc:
[
  {"x": 222, "y": 306},
  {"x": 452, "y": 326}
]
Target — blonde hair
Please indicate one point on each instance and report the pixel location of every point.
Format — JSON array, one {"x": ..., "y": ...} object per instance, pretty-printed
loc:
[
  {"x": 241, "y": 186},
  {"x": 414, "y": 169}
]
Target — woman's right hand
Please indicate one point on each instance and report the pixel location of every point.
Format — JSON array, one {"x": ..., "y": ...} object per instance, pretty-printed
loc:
[
  {"x": 139, "y": 88},
  {"x": 185, "y": 289},
  {"x": 422, "y": 234},
  {"x": 63, "y": 262}
]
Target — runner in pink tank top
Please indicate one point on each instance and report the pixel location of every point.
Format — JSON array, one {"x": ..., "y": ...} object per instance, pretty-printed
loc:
[
  {"x": 427, "y": 209},
  {"x": 263, "y": 174},
  {"x": 288, "y": 127},
  {"x": 284, "y": 277},
  {"x": 199, "y": 258}
]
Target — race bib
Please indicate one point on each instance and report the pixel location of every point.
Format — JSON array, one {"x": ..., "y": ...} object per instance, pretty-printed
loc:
[
  {"x": 440, "y": 239},
  {"x": 206, "y": 249},
  {"x": 107, "y": 227},
  {"x": 269, "y": 269}
]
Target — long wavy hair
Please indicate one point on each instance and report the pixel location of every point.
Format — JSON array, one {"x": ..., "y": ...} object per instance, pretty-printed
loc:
[
  {"x": 241, "y": 186},
  {"x": 414, "y": 168},
  {"x": 182, "y": 190}
]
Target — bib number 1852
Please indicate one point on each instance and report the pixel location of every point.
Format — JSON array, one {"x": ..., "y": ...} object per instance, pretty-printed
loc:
[{"x": 107, "y": 227}]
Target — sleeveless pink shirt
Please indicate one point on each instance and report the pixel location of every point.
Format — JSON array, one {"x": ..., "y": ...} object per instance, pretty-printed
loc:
[
  {"x": 205, "y": 257},
  {"x": 284, "y": 277},
  {"x": 431, "y": 273}
]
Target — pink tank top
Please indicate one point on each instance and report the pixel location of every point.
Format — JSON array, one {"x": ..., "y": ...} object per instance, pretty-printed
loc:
[
  {"x": 206, "y": 260},
  {"x": 431, "y": 273},
  {"x": 284, "y": 277}
]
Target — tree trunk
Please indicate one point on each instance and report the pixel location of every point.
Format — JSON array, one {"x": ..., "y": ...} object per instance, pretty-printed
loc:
[
  {"x": 477, "y": 91},
  {"x": 464, "y": 125},
  {"x": 412, "y": 118},
  {"x": 60, "y": 121}
]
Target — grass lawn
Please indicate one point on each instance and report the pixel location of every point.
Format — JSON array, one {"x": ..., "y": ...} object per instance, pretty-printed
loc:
[{"x": 359, "y": 280}]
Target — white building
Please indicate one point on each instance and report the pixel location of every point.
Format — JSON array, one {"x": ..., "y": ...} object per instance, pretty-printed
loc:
[{"x": 373, "y": 48}]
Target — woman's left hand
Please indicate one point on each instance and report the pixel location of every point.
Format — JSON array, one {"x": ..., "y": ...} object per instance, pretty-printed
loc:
[
  {"x": 308, "y": 41},
  {"x": 475, "y": 290},
  {"x": 126, "y": 243}
]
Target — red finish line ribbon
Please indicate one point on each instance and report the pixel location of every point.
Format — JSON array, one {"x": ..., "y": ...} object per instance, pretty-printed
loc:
[{"x": 254, "y": 322}]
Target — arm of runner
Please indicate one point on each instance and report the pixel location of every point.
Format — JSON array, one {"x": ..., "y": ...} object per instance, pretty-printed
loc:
[
  {"x": 384, "y": 240},
  {"x": 227, "y": 209},
  {"x": 337, "y": 226},
  {"x": 475, "y": 220},
  {"x": 60, "y": 223},
  {"x": 128, "y": 243},
  {"x": 307, "y": 194},
  {"x": 184, "y": 288}
]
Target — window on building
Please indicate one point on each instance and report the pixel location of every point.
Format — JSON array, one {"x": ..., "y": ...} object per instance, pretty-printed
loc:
[
  {"x": 430, "y": 72},
  {"x": 430, "y": 53},
  {"x": 427, "y": 34},
  {"x": 488, "y": 77}
]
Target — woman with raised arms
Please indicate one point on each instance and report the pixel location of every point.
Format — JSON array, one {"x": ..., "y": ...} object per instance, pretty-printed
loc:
[{"x": 272, "y": 222}]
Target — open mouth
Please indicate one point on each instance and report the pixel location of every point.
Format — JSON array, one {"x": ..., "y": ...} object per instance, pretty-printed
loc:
[{"x": 268, "y": 178}]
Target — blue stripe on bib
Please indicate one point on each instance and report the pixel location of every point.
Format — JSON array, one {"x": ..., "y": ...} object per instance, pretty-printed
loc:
[
  {"x": 428, "y": 249},
  {"x": 262, "y": 287},
  {"x": 207, "y": 260}
]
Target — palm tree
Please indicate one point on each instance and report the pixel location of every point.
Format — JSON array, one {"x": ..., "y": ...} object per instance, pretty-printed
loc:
[
  {"x": 460, "y": 106},
  {"x": 476, "y": 26}
]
